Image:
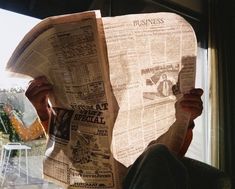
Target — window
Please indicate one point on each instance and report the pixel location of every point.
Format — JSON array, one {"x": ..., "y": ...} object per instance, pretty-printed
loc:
[
  {"x": 18, "y": 25},
  {"x": 14, "y": 27}
]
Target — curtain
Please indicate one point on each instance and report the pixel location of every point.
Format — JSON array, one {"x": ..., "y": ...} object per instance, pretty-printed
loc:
[
  {"x": 214, "y": 100},
  {"x": 222, "y": 58}
]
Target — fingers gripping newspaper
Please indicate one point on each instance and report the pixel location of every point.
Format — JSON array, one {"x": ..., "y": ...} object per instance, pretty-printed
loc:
[{"x": 115, "y": 81}]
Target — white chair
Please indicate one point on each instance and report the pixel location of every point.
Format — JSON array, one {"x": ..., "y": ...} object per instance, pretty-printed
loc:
[{"x": 6, "y": 151}]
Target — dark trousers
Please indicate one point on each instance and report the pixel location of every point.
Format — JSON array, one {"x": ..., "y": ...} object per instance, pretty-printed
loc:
[{"x": 157, "y": 168}]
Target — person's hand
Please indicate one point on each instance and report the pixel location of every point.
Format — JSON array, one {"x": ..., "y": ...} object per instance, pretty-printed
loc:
[
  {"x": 37, "y": 93},
  {"x": 190, "y": 103}
]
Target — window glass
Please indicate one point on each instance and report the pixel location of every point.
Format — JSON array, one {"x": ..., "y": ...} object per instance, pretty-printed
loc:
[{"x": 13, "y": 28}]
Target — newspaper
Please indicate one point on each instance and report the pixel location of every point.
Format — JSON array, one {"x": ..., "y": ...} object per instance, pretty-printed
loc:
[
  {"x": 148, "y": 54},
  {"x": 113, "y": 79}
]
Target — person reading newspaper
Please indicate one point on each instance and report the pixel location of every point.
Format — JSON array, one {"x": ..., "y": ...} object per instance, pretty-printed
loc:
[{"x": 160, "y": 165}]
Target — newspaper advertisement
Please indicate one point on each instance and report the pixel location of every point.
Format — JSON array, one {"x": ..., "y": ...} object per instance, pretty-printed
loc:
[{"x": 112, "y": 89}]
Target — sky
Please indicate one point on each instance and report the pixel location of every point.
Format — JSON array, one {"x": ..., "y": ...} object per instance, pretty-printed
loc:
[{"x": 13, "y": 28}]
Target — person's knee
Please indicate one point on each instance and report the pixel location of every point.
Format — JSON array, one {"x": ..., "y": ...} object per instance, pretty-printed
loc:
[
  {"x": 156, "y": 167},
  {"x": 157, "y": 149},
  {"x": 161, "y": 154}
]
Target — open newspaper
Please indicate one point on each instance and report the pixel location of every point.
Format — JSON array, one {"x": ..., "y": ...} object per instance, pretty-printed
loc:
[{"x": 115, "y": 85}]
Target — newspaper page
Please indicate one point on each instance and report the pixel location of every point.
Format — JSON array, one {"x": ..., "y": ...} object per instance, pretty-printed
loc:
[
  {"x": 68, "y": 51},
  {"x": 149, "y": 55},
  {"x": 124, "y": 96}
]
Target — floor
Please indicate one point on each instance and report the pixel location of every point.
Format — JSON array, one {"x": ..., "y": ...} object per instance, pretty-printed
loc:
[{"x": 35, "y": 180}]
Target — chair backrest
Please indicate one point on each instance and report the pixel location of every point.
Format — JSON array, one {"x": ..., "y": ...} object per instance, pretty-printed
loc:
[{"x": 13, "y": 143}]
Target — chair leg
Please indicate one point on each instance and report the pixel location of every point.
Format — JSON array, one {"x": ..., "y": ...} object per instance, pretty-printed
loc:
[
  {"x": 2, "y": 159},
  {"x": 19, "y": 161},
  {"x": 5, "y": 170},
  {"x": 27, "y": 168}
]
